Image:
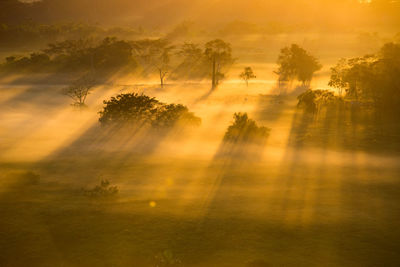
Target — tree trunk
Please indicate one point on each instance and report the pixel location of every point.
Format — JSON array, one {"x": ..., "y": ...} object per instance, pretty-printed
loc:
[
  {"x": 214, "y": 78},
  {"x": 161, "y": 79}
]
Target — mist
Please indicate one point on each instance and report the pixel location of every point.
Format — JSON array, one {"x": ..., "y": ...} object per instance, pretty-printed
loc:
[{"x": 201, "y": 133}]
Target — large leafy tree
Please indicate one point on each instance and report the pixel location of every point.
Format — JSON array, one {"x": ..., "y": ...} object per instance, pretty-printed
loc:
[
  {"x": 138, "y": 110},
  {"x": 294, "y": 62}
]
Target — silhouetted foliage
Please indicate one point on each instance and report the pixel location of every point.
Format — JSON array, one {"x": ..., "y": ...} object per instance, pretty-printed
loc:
[
  {"x": 76, "y": 55},
  {"x": 154, "y": 55},
  {"x": 80, "y": 89},
  {"x": 193, "y": 63},
  {"x": 219, "y": 56},
  {"x": 35, "y": 62},
  {"x": 296, "y": 63},
  {"x": 104, "y": 190},
  {"x": 35, "y": 35},
  {"x": 245, "y": 130},
  {"x": 141, "y": 111},
  {"x": 373, "y": 78},
  {"x": 351, "y": 75},
  {"x": 247, "y": 75},
  {"x": 312, "y": 100}
]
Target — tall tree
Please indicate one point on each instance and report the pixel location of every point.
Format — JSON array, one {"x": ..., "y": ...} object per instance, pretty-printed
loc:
[{"x": 219, "y": 55}]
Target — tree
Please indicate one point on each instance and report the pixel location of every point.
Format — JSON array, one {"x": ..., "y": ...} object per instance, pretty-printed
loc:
[
  {"x": 247, "y": 74},
  {"x": 80, "y": 89},
  {"x": 219, "y": 55},
  {"x": 111, "y": 53},
  {"x": 193, "y": 63},
  {"x": 296, "y": 63},
  {"x": 245, "y": 130},
  {"x": 156, "y": 54},
  {"x": 134, "y": 110},
  {"x": 371, "y": 78},
  {"x": 162, "y": 63},
  {"x": 338, "y": 76},
  {"x": 77, "y": 55},
  {"x": 312, "y": 100},
  {"x": 352, "y": 76}
]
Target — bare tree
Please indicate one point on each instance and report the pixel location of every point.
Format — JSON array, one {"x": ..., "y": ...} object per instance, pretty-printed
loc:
[
  {"x": 162, "y": 63},
  {"x": 156, "y": 55},
  {"x": 80, "y": 89}
]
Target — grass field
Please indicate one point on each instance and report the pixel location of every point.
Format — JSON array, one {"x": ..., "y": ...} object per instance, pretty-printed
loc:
[{"x": 178, "y": 202}]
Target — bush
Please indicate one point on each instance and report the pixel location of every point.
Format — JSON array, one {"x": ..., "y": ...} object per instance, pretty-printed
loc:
[
  {"x": 312, "y": 100},
  {"x": 245, "y": 130},
  {"x": 141, "y": 110},
  {"x": 104, "y": 190}
]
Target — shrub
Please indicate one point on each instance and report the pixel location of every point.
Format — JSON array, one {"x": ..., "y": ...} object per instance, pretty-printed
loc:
[
  {"x": 104, "y": 190},
  {"x": 245, "y": 130}
]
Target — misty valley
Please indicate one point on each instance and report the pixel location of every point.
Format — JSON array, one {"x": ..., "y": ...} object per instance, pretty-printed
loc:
[{"x": 215, "y": 133}]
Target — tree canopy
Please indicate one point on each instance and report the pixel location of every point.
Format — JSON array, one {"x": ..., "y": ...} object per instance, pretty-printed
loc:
[
  {"x": 247, "y": 74},
  {"x": 296, "y": 63},
  {"x": 245, "y": 130},
  {"x": 138, "y": 110},
  {"x": 372, "y": 78}
]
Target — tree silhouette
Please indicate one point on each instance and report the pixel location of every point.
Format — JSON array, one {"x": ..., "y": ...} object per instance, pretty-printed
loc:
[
  {"x": 134, "y": 110},
  {"x": 245, "y": 130},
  {"x": 80, "y": 89},
  {"x": 156, "y": 54},
  {"x": 296, "y": 63},
  {"x": 219, "y": 54},
  {"x": 247, "y": 74}
]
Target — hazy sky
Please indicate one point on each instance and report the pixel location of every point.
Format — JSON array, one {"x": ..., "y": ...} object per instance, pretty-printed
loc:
[{"x": 161, "y": 13}]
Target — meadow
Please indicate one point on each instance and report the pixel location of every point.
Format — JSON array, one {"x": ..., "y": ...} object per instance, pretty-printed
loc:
[{"x": 179, "y": 203}]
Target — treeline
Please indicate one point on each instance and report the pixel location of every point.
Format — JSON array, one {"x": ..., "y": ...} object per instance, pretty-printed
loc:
[
  {"x": 147, "y": 56},
  {"x": 35, "y": 35},
  {"x": 365, "y": 112},
  {"x": 371, "y": 81},
  {"x": 374, "y": 78}
]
